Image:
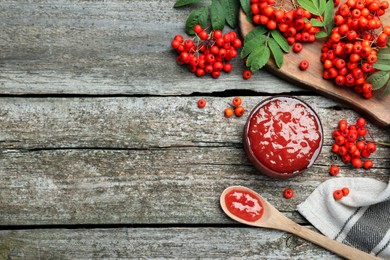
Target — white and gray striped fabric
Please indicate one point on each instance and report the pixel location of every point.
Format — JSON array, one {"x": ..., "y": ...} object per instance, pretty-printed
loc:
[{"x": 361, "y": 219}]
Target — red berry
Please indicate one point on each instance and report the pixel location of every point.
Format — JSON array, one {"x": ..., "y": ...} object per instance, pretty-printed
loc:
[
  {"x": 198, "y": 28},
  {"x": 228, "y": 112},
  {"x": 247, "y": 74},
  {"x": 345, "y": 191},
  {"x": 334, "y": 170},
  {"x": 371, "y": 147},
  {"x": 357, "y": 162},
  {"x": 288, "y": 193},
  {"x": 338, "y": 194},
  {"x": 201, "y": 103},
  {"x": 239, "y": 111},
  {"x": 368, "y": 164},
  {"x": 303, "y": 65},
  {"x": 360, "y": 122},
  {"x": 227, "y": 67},
  {"x": 237, "y": 101},
  {"x": 297, "y": 47}
]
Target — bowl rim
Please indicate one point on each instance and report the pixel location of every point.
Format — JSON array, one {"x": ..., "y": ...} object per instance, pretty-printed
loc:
[{"x": 260, "y": 166}]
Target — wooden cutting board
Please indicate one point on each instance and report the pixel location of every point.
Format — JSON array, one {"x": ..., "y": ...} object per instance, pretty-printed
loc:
[{"x": 376, "y": 109}]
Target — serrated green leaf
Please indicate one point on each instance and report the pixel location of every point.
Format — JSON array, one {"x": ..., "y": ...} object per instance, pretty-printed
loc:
[
  {"x": 328, "y": 13},
  {"x": 180, "y": 3},
  {"x": 276, "y": 52},
  {"x": 246, "y": 6},
  {"x": 197, "y": 16},
  {"x": 231, "y": 8},
  {"x": 309, "y": 6},
  {"x": 217, "y": 14},
  {"x": 322, "y": 6},
  {"x": 250, "y": 46},
  {"x": 259, "y": 30},
  {"x": 279, "y": 38},
  {"x": 383, "y": 67},
  {"x": 321, "y": 34},
  {"x": 378, "y": 79},
  {"x": 316, "y": 3},
  {"x": 316, "y": 23},
  {"x": 258, "y": 58},
  {"x": 383, "y": 56},
  {"x": 384, "y": 62},
  {"x": 384, "y": 50}
]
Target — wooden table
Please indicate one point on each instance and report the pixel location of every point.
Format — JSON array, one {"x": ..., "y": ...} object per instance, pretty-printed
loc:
[{"x": 104, "y": 153}]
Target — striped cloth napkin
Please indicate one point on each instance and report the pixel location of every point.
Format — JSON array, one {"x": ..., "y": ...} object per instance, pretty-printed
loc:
[{"x": 361, "y": 219}]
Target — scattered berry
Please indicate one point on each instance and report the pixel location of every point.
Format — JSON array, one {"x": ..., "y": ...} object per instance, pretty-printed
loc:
[
  {"x": 345, "y": 191},
  {"x": 288, "y": 193},
  {"x": 338, "y": 194},
  {"x": 297, "y": 47},
  {"x": 303, "y": 65},
  {"x": 228, "y": 112},
  {"x": 237, "y": 101},
  {"x": 239, "y": 111},
  {"x": 334, "y": 170},
  {"x": 247, "y": 74},
  {"x": 201, "y": 103}
]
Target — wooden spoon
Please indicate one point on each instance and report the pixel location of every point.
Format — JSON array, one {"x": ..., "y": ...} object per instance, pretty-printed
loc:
[{"x": 274, "y": 219}]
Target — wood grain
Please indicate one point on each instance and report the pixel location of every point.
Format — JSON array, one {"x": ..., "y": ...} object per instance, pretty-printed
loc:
[
  {"x": 145, "y": 122},
  {"x": 105, "y": 48},
  {"x": 72, "y": 160},
  {"x": 156, "y": 243},
  {"x": 376, "y": 108}
]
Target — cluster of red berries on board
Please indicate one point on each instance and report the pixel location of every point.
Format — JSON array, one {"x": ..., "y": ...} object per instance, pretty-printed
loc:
[
  {"x": 208, "y": 52},
  {"x": 350, "y": 143},
  {"x": 351, "y": 50}
]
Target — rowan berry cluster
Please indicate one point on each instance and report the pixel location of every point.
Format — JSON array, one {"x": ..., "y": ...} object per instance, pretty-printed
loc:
[
  {"x": 207, "y": 53},
  {"x": 293, "y": 24},
  {"x": 352, "y": 47},
  {"x": 351, "y": 145},
  {"x": 238, "y": 110}
]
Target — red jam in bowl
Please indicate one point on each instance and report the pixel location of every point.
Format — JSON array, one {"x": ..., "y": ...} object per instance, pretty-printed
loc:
[
  {"x": 244, "y": 205},
  {"x": 284, "y": 135}
]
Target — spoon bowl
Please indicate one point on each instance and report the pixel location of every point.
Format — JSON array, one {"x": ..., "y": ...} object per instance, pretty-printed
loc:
[{"x": 274, "y": 219}]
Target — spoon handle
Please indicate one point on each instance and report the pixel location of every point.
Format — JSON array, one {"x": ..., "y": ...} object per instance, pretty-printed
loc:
[{"x": 330, "y": 244}]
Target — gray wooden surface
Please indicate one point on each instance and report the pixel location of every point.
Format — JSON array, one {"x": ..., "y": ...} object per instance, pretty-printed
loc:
[{"x": 104, "y": 153}]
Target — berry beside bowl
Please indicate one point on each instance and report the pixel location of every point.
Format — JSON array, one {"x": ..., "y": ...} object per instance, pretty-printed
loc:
[{"x": 283, "y": 136}]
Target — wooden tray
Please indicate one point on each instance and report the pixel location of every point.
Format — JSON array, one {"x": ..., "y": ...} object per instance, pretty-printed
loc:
[{"x": 376, "y": 109}]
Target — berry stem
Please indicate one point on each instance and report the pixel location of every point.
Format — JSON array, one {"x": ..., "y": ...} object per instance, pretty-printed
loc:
[{"x": 383, "y": 144}]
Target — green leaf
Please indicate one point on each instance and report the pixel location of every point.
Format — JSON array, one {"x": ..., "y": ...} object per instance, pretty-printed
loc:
[
  {"x": 180, "y": 3},
  {"x": 322, "y": 6},
  {"x": 279, "y": 38},
  {"x": 217, "y": 15},
  {"x": 328, "y": 14},
  {"x": 259, "y": 30},
  {"x": 258, "y": 58},
  {"x": 231, "y": 8},
  {"x": 246, "y": 6},
  {"x": 384, "y": 50},
  {"x": 387, "y": 90},
  {"x": 384, "y": 62},
  {"x": 321, "y": 34},
  {"x": 316, "y": 23},
  {"x": 197, "y": 16},
  {"x": 383, "y": 67},
  {"x": 378, "y": 79},
  {"x": 309, "y": 6},
  {"x": 276, "y": 52},
  {"x": 250, "y": 46},
  {"x": 383, "y": 56}
]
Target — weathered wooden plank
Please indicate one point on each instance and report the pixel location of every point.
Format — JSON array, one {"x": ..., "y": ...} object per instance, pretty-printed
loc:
[
  {"x": 104, "y": 47},
  {"x": 160, "y": 243},
  {"x": 172, "y": 185},
  {"x": 144, "y": 122}
]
